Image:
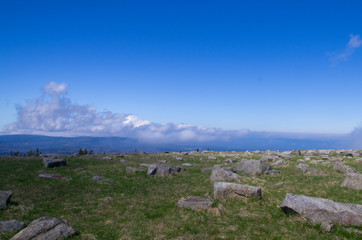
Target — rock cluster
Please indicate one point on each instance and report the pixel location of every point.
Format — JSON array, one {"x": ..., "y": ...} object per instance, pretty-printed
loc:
[{"x": 46, "y": 228}]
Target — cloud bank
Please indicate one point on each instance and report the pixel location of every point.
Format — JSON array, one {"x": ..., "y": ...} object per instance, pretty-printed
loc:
[
  {"x": 354, "y": 43},
  {"x": 53, "y": 114}
]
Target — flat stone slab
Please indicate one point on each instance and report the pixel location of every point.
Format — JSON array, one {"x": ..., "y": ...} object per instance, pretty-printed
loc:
[
  {"x": 225, "y": 189},
  {"x": 220, "y": 174},
  {"x": 213, "y": 168},
  {"x": 46, "y": 228},
  {"x": 5, "y": 198},
  {"x": 11, "y": 226},
  {"x": 50, "y": 176},
  {"x": 194, "y": 203},
  {"x": 187, "y": 164},
  {"x": 101, "y": 179},
  {"x": 353, "y": 181},
  {"x": 133, "y": 170},
  {"x": 53, "y": 162},
  {"x": 319, "y": 210}
]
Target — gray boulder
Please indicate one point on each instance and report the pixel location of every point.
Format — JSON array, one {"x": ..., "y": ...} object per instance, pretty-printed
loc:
[
  {"x": 312, "y": 171},
  {"x": 246, "y": 154},
  {"x": 194, "y": 203},
  {"x": 344, "y": 168},
  {"x": 230, "y": 160},
  {"x": 220, "y": 174},
  {"x": 353, "y": 181},
  {"x": 11, "y": 226},
  {"x": 53, "y": 162},
  {"x": 212, "y": 158},
  {"x": 296, "y": 153},
  {"x": 46, "y": 228},
  {"x": 334, "y": 159},
  {"x": 161, "y": 170},
  {"x": 352, "y": 153},
  {"x": 225, "y": 189},
  {"x": 303, "y": 167},
  {"x": 327, "y": 163},
  {"x": 5, "y": 198},
  {"x": 280, "y": 162},
  {"x": 270, "y": 157},
  {"x": 253, "y": 167},
  {"x": 133, "y": 170},
  {"x": 319, "y": 210}
]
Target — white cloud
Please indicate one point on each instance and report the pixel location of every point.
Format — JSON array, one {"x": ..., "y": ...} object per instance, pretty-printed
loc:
[
  {"x": 353, "y": 43},
  {"x": 53, "y": 87},
  {"x": 54, "y": 114}
]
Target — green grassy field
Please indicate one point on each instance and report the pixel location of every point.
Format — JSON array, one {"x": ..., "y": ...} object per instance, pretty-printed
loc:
[{"x": 136, "y": 206}]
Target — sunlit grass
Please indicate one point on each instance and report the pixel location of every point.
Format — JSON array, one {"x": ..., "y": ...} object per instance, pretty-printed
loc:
[{"x": 136, "y": 206}]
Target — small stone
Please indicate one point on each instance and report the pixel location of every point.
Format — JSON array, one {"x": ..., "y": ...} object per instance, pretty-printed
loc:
[
  {"x": 187, "y": 164},
  {"x": 212, "y": 158},
  {"x": 145, "y": 165},
  {"x": 279, "y": 184},
  {"x": 179, "y": 159},
  {"x": 97, "y": 178},
  {"x": 272, "y": 172},
  {"x": 327, "y": 227}
]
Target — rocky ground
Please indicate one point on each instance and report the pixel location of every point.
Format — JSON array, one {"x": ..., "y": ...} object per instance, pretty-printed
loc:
[{"x": 194, "y": 195}]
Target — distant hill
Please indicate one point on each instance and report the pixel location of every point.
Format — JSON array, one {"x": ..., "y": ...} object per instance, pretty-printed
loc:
[{"x": 251, "y": 141}]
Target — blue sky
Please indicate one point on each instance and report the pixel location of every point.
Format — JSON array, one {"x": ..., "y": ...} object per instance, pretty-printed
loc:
[{"x": 264, "y": 66}]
